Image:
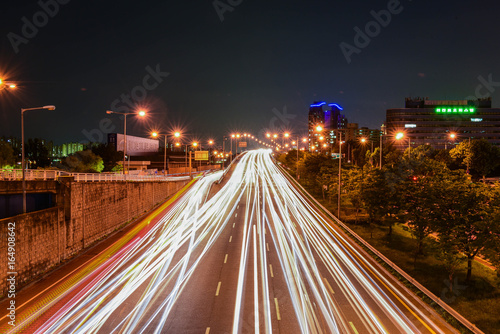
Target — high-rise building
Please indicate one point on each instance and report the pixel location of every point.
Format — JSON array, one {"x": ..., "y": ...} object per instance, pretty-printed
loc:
[
  {"x": 330, "y": 121},
  {"x": 316, "y": 119},
  {"x": 433, "y": 122}
]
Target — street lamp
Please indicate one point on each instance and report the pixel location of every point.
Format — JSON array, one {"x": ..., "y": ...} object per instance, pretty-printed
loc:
[
  {"x": 452, "y": 136},
  {"x": 23, "y": 146},
  {"x": 141, "y": 113},
  {"x": 4, "y": 85},
  {"x": 156, "y": 134},
  {"x": 400, "y": 135}
]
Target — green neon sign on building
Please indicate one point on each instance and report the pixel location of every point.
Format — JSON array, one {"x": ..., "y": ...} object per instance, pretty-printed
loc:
[{"x": 455, "y": 110}]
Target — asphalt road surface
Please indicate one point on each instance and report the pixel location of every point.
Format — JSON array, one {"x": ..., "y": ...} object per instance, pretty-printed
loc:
[{"x": 255, "y": 257}]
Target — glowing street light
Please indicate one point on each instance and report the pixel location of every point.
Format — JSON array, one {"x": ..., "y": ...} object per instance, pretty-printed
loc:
[
  {"x": 141, "y": 113},
  {"x": 401, "y": 135},
  {"x": 5, "y": 84},
  {"x": 23, "y": 147},
  {"x": 319, "y": 128}
]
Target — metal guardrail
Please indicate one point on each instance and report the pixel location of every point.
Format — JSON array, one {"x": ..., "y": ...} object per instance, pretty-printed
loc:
[
  {"x": 44, "y": 175},
  {"x": 466, "y": 323}
]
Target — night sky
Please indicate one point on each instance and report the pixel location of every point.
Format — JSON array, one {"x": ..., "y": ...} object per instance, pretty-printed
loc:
[{"x": 259, "y": 68}]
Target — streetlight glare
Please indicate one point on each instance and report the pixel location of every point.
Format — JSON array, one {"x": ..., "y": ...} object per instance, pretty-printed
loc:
[
  {"x": 452, "y": 136},
  {"x": 177, "y": 134},
  {"x": 142, "y": 113},
  {"x": 12, "y": 86},
  {"x": 319, "y": 128},
  {"x": 363, "y": 140},
  {"x": 400, "y": 135},
  {"x": 195, "y": 144},
  {"x": 154, "y": 134},
  {"x": 177, "y": 144},
  {"x": 49, "y": 107},
  {"x": 210, "y": 142}
]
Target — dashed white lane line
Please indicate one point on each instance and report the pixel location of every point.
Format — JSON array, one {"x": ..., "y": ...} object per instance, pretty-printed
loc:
[
  {"x": 225, "y": 259},
  {"x": 271, "y": 268},
  {"x": 230, "y": 238},
  {"x": 353, "y": 328},
  {"x": 328, "y": 285},
  {"x": 277, "y": 308},
  {"x": 218, "y": 289},
  {"x": 208, "y": 330},
  {"x": 267, "y": 245}
]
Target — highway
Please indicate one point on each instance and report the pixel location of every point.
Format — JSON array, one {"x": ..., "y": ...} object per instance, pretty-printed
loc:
[{"x": 254, "y": 257}]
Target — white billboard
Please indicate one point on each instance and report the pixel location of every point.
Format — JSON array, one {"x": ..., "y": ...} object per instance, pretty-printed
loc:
[{"x": 137, "y": 146}]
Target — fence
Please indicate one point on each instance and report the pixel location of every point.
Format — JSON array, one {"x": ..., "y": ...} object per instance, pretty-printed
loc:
[{"x": 38, "y": 175}]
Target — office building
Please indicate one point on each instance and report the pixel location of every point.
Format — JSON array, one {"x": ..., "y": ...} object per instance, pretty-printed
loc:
[{"x": 433, "y": 122}]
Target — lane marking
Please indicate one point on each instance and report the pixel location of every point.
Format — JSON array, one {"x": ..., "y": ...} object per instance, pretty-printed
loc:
[
  {"x": 233, "y": 224},
  {"x": 218, "y": 288},
  {"x": 208, "y": 330},
  {"x": 271, "y": 267},
  {"x": 353, "y": 328},
  {"x": 225, "y": 259},
  {"x": 230, "y": 238},
  {"x": 236, "y": 216},
  {"x": 328, "y": 285},
  {"x": 267, "y": 245},
  {"x": 277, "y": 309}
]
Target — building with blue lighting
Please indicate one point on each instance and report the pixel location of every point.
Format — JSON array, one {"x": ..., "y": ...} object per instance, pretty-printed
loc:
[
  {"x": 330, "y": 119},
  {"x": 433, "y": 122}
]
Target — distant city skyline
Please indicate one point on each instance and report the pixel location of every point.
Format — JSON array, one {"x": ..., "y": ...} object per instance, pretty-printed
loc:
[{"x": 259, "y": 65}]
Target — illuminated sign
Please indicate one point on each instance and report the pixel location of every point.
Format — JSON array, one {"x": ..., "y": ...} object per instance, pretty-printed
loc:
[
  {"x": 410, "y": 125},
  {"x": 476, "y": 119},
  {"x": 200, "y": 155},
  {"x": 455, "y": 110}
]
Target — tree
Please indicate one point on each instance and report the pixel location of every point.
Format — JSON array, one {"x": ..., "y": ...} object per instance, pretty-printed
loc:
[
  {"x": 83, "y": 162},
  {"x": 109, "y": 155},
  {"x": 478, "y": 155},
  {"x": 7, "y": 157},
  {"x": 354, "y": 188},
  {"x": 37, "y": 154},
  {"x": 449, "y": 254},
  {"x": 468, "y": 217},
  {"x": 420, "y": 193}
]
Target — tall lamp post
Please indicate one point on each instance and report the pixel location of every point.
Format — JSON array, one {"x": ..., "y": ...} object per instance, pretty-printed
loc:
[
  {"x": 340, "y": 172},
  {"x": 363, "y": 141},
  {"x": 156, "y": 134},
  {"x": 23, "y": 148},
  {"x": 400, "y": 135},
  {"x": 141, "y": 113}
]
